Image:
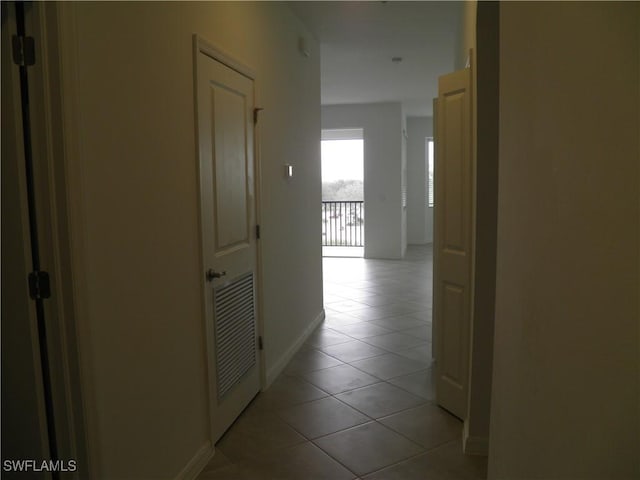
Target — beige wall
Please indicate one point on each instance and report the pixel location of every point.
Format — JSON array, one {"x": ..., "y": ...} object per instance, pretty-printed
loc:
[
  {"x": 134, "y": 187},
  {"x": 468, "y": 33},
  {"x": 565, "y": 385}
]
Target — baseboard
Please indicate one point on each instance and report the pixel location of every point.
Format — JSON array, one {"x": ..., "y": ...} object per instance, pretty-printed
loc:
[
  {"x": 278, "y": 367},
  {"x": 197, "y": 463},
  {"x": 474, "y": 445}
]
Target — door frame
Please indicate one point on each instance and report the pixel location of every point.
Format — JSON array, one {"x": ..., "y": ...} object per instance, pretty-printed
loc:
[
  {"x": 54, "y": 118},
  {"x": 201, "y": 45}
]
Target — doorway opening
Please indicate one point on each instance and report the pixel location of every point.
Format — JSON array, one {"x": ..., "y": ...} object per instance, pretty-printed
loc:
[{"x": 343, "y": 193}]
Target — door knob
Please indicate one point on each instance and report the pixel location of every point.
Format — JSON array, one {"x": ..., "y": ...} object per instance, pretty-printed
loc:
[{"x": 211, "y": 274}]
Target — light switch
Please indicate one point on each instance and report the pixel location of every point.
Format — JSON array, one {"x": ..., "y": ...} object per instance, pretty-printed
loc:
[{"x": 288, "y": 171}]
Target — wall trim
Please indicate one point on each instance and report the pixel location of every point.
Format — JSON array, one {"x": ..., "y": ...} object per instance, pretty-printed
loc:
[
  {"x": 474, "y": 445},
  {"x": 281, "y": 363},
  {"x": 200, "y": 460},
  {"x": 342, "y": 134},
  {"x": 212, "y": 51}
]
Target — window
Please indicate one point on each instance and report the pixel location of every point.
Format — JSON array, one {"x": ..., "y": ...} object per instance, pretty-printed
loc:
[
  {"x": 430, "y": 152},
  {"x": 342, "y": 165}
]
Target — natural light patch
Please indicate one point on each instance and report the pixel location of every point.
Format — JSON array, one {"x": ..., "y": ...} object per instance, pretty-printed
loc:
[
  {"x": 430, "y": 171},
  {"x": 342, "y": 160},
  {"x": 342, "y": 169}
]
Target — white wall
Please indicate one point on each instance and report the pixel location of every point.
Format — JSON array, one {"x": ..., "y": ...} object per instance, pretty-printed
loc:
[
  {"x": 133, "y": 187},
  {"x": 382, "y": 125},
  {"x": 565, "y": 384},
  {"x": 419, "y": 216}
]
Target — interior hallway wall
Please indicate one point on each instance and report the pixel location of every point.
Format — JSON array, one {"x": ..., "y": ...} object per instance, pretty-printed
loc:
[
  {"x": 382, "y": 134},
  {"x": 134, "y": 187},
  {"x": 566, "y": 370},
  {"x": 476, "y": 431},
  {"x": 419, "y": 215},
  {"x": 467, "y": 33}
]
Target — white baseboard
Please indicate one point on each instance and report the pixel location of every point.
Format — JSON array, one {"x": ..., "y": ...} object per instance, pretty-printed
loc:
[
  {"x": 197, "y": 463},
  {"x": 474, "y": 445},
  {"x": 278, "y": 367}
]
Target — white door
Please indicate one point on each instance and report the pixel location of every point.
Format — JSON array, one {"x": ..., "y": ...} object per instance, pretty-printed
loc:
[
  {"x": 453, "y": 241},
  {"x": 227, "y": 200}
]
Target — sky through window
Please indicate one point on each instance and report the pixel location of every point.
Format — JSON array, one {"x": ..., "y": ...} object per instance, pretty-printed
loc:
[{"x": 342, "y": 160}]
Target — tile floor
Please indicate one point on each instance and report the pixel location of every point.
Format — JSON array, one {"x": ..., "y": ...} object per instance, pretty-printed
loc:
[{"x": 357, "y": 401}]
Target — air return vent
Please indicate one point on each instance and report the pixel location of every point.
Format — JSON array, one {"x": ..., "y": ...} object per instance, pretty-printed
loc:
[{"x": 234, "y": 331}]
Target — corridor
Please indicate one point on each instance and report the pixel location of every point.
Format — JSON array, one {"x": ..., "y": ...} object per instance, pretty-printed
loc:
[{"x": 357, "y": 401}]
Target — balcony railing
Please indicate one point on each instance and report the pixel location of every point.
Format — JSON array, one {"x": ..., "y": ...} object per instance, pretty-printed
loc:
[{"x": 343, "y": 224}]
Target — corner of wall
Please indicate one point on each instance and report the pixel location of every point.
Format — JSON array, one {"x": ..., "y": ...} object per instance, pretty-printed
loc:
[
  {"x": 197, "y": 463},
  {"x": 474, "y": 445},
  {"x": 486, "y": 144},
  {"x": 279, "y": 365},
  {"x": 468, "y": 33}
]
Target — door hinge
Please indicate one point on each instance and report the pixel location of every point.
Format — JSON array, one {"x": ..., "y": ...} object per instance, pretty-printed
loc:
[
  {"x": 255, "y": 114},
  {"x": 24, "y": 51},
  {"x": 39, "y": 286},
  {"x": 260, "y": 345},
  {"x": 258, "y": 232}
]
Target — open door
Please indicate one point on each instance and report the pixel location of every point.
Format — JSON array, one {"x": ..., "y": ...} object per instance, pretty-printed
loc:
[
  {"x": 27, "y": 421},
  {"x": 225, "y": 106},
  {"x": 453, "y": 240}
]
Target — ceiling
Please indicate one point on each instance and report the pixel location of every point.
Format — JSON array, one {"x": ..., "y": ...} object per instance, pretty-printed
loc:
[{"x": 359, "y": 39}]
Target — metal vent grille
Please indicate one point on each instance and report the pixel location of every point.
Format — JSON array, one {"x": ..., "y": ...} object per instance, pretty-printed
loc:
[{"x": 235, "y": 332}]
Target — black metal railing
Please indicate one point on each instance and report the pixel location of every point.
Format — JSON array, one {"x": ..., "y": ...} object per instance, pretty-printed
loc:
[{"x": 343, "y": 224}]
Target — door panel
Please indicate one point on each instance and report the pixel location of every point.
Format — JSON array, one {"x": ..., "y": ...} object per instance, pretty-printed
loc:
[
  {"x": 453, "y": 300},
  {"x": 454, "y": 212},
  {"x": 225, "y": 139},
  {"x": 230, "y": 166},
  {"x": 453, "y": 254}
]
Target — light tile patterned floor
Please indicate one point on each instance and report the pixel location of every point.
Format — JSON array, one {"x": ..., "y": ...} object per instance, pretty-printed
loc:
[{"x": 357, "y": 401}]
